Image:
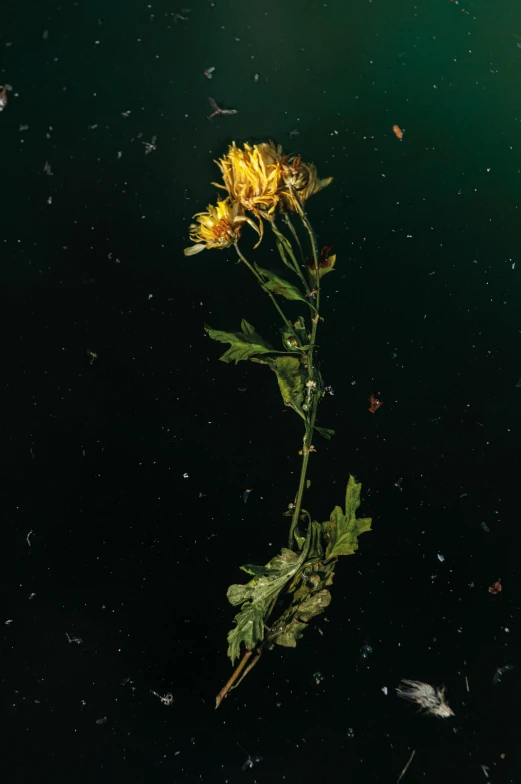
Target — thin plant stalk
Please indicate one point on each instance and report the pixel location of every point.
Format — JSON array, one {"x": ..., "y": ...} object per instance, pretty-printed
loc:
[
  {"x": 261, "y": 282},
  {"x": 289, "y": 223},
  {"x": 287, "y": 248},
  {"x": 307, "y": 447}
]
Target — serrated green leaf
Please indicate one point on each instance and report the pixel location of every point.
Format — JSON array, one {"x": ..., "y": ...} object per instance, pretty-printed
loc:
[
  {"x": 295, "y": 622},
  {"x": 292, "y": 632},
  {"x": 279, "y": 286},
  {"x": 291, "y": 377},
  {"x": 314, "y": 604},
  {"x": 257, "y": 596},
  {"x": 243, "y": 345},
  {"x": 249, "y": 629},
  {"x": 343, "y": 529}
]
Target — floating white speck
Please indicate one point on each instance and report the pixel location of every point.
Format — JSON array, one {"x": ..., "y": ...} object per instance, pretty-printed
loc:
[
  {"x": 385, "y": 690},
  {"x": 441, "y": 557},
  {"x": 185, "y": 475}
]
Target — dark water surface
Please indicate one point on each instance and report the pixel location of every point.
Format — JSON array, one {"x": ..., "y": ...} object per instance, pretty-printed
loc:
[{"x": 112, "y": 392}]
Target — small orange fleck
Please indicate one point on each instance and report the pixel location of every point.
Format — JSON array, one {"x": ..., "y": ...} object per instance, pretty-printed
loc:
[
  {"x": 375, "y": 403},
  {"x": 398, "y": 132},
  {"x": 495, "y": 587}
]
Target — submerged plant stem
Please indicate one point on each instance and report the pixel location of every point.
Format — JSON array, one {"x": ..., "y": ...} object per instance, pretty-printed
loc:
[{"x": 311, "y": 377}]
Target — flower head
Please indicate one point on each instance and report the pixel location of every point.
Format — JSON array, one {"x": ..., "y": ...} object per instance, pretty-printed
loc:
[
  {"x": 301, "y": 181},
  {"x": 258, "y": 179},
  {"x": 253, "y": 178},
  {"x": 218, "y": 227},
  {"x": 263, "y": 179}
]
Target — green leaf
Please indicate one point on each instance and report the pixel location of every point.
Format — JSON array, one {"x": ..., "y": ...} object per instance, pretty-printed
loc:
[
  {"x": 299, "y": 540},
  {"x": 312, "y": 602},
  {"x": 249, "y": 629},
  {"x": 243, "y": 345},
  {"x": 281, "y": 250},
  {"x": 343, "y": 529},
  {"x": 327, "y": 266},
  {"x": 325, "y": 432},
  {"x": 292, "y": 632},
  {"x": 279, "y": 286},
  {"x": 284, "y": 246},
  {"x": 257, "y": 596},
  {"x": 291, "y": 377}
]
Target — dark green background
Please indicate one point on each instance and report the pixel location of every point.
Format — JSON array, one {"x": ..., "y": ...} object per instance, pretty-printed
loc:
[{"x": 424, "y": 309}]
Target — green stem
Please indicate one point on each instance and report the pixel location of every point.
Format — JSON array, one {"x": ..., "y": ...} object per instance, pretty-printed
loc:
[
  {"x": 288, "y": 222},
  {"x": 310, "y": 415},
  {"x": 287, "y": 247},
  {"x": 261, "y": 282}
]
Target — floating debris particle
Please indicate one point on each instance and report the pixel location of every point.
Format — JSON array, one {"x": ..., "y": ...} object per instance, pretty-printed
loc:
[
  {"x": 495, "y": 587},
  {"x": 430, "y": 699},
  {"x": 375, "y": 403},
  {"x": 500, "y": 671}
]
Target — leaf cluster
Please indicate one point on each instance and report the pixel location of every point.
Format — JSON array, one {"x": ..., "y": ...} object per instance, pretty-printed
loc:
[{"x": 302, "y": 578}]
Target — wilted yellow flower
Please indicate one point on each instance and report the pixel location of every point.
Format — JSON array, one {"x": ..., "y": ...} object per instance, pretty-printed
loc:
[
  {"x": 261, "y": 179},
  {"x": 252, "y": 178},
  {"x": 219, "y": 227}
]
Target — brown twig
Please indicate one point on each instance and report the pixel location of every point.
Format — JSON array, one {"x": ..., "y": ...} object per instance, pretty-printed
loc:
[
  {"x": 250, "y": 666},
  {"x": 231, "y": 683}
]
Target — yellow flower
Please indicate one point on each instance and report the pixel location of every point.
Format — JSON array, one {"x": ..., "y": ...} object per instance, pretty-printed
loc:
[
  {"x": 262, "y": 179},
  {"x": 253, "y": 178},
  {"x": 219, "y": 227}
]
